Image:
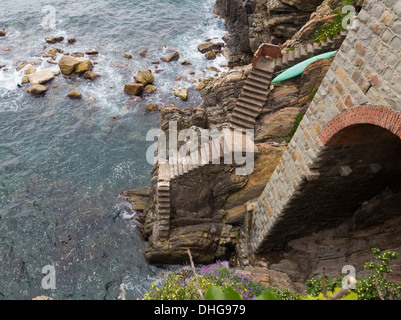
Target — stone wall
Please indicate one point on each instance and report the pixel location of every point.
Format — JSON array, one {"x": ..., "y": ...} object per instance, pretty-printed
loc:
[{"x": 317, "y": 185}]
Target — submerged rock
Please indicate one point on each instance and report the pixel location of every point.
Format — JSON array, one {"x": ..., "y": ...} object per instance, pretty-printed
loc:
[
  {"x": 91, "y": 75},
  {"x": 71, "y": 40},
  {"x": 134, "y": 88},
  {"x": 174, "y": 56},
  {"x": 68, "y": 65},
  {"x": 37, "y": 89},
  {"x": 2, "y": 33},
  {"x": 151, "y": 107},
  {"x": 74, "y": 94},
  {"x": 54, "y": 39},
  {"x": 91, "y": 52},
  {"x": 143, "y": 53},
  {"x": 127, "y": 55}
]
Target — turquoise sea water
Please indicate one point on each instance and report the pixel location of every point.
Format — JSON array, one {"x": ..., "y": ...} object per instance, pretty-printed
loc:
[{"x": 64, "y": 162}]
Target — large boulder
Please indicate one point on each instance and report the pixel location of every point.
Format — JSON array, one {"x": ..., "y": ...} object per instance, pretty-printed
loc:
[
  {"x": 41, "y": 77},
  {"x": 68, "y": 65},
  {"x": 134, "y": 88},
  {"x": 144, "y": 76}
]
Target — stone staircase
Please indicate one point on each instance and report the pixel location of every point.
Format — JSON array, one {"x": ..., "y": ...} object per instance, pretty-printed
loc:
[
  {"x": 249, "y": 106},
  {"x": 177, "y": 166},
  {"x": 257, "y": 86}
]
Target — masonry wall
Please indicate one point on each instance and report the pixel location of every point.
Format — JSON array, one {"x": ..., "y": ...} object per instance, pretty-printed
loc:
[{"x": 366, "y": 71}]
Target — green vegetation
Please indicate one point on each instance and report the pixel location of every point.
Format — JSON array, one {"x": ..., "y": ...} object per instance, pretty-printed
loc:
[
  {"x": 333, "y": 27},
  {"x": 219, "y": 282},
  {"x": 298, "y": 120}
]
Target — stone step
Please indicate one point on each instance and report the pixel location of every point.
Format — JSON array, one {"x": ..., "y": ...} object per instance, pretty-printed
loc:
[
  {"x": 249, "y": 107},
  {"x": 279, "y": 63},
  {"x": 164, "y": 172},
  {"x": 163, "y": 199},
  {"x": 164, "y": 205},
  {"x": 285, "y": 60},
  {"x": 291, "y": 57},
  {"x": 304, "y": 52},
  {"x": 247, "y": 112},
  {"x": 254, "y": 90},
  {"x": 256, "y": 79},
  {"x": 265, "y": 65},
  {"x": 243, "y": 117},
  {"x": 163, "y": 211},
  {"x": 262, "y": 75},
  {"x": 240, "y": 124},
  {"x": 252, "y": 102},
  {"x": 297, "y": 53},
  {"x": 261, "y": 99},
  {"x": 310, "y": 50},
  {"x": 257, "y": 85}
]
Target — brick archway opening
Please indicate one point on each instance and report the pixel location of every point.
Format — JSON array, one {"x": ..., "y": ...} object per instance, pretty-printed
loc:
[
  {"x": 351, "y": 202},
  {"x": 360, "y": 160}
]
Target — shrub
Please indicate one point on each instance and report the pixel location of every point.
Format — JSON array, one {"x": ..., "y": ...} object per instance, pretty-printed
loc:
[{"x": 222, "y": 276}]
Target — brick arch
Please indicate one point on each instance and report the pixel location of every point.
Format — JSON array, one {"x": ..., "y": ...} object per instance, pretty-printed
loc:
[{"x": 362, "y": 115}]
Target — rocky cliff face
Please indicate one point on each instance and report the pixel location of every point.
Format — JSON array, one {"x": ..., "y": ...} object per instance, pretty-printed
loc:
[{"x": 253, "y": 22}]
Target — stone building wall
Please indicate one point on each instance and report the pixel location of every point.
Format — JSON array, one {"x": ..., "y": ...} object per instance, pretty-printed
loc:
[{"x": 365, "y": 72}]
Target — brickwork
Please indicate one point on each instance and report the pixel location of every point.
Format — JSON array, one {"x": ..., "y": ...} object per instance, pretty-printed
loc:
[{"x": 328, "y": 167}]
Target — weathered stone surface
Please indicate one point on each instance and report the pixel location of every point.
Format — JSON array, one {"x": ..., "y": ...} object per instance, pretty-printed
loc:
[
  {"x": 134, "y": 88},
  {"x": 209, "y": 46},
  {"x": 151, "y": 107},
  {"x": 137, "y": 197},
  {"x": 235, "y": 215},
  {"x": 91, "y": 52},
  {"x": 67, "y": 65},
  {"x": 37, "y": 89},
  {"x": 144, "y": 76},
  {"x": 211, "y": 55},
  {"x": 74, "y": 94},
  {"x": 54, "y": 39},
  {"x": 90, "y": 75},
  {"x": 41, "y": 77},
  {"x": 29, "y": 69},
  {"x": 182, "y": 94},
  {"x": 207, "y": 242},
  {"x": 84, "y": 66},
  {"x": 277, "y": 125},
  {"x": 174, "y": 56},
  {"x": 150, "y": 89}
]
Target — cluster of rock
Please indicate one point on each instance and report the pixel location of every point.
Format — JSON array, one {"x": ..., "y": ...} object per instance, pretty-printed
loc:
[{"x": 68, "y": 65}]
